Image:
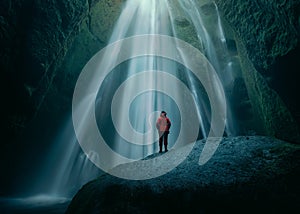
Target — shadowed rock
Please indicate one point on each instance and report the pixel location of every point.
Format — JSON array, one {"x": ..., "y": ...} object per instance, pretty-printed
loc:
[{"x": 245, "y": 175}]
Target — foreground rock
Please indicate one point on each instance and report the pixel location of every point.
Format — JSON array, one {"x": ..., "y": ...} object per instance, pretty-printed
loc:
[{"x": 245, "y": 175}]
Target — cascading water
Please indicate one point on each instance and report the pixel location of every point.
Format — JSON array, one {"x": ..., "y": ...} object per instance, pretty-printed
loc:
[
  {"x": 214, "y": 46},
  {"x": 124, "y": 103}
]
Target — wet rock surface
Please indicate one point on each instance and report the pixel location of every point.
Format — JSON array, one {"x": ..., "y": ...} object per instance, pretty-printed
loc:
[
  {"x": 269, "y": 29},
  {"x": 33, "y": 205},
  {"x": 269, "y": 32},
  {"x": 247, "y": 174}
]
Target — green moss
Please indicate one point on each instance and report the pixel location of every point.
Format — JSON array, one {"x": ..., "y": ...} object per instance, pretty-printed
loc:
[{"x": 103, "y": 16}]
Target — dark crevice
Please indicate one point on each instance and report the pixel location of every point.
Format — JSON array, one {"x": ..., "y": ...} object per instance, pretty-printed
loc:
[{"x": 285, "y": 81}]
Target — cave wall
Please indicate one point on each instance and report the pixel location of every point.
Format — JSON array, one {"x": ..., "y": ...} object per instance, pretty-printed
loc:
[
  {"x": 45, "y": 44},
  {"x": 93, "y": 35},
  {"x": 34, "y": 37},
  {"x": 37, "y": 38},
  {"x": 275, "y": 117},
  {"x": 267, "y": 36},
  {"x": 269, "y": 29}
]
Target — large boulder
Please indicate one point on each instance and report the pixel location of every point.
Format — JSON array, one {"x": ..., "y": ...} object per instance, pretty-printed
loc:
[{"x": 245, "y": 175}]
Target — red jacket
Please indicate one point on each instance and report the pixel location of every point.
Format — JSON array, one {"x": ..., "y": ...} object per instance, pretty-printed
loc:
[{"x": 163, "y": 124}]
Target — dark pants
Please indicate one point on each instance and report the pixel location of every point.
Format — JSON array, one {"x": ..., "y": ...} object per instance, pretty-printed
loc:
[{"x": 163, "y": 138}]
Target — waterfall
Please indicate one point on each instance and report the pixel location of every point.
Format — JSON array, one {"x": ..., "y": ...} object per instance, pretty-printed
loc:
[
  {"x": 125, "y": 102},
  {"x": 66, "y": 168},
  {"x": 211, "y": 36}
]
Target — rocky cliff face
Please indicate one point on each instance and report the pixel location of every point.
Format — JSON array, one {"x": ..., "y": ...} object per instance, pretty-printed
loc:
[
  {"x": 40, "y": 39},
  {"x": 46, "y": 44},
  {"x": 267, "y": 35},
  {"x": 35, "y": 36},
  {"x": 269, "y": 30}
]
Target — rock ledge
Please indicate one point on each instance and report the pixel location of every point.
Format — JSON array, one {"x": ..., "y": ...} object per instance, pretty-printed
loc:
[{"x": 245, "y": 175}]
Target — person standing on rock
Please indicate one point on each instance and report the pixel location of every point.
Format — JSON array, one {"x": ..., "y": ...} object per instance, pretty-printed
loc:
[{"x": 163, "y": 125}]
